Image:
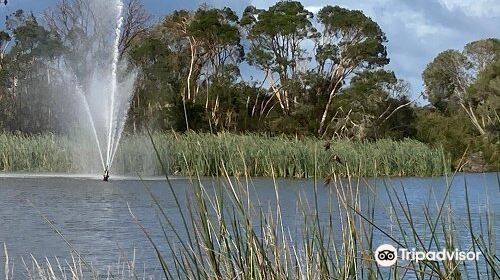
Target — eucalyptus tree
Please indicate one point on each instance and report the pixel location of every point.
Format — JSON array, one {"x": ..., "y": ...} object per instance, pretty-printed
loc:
[
  {"x": 208, "y": 38},
  {"x": 217, "y": 34},
  {"x": 157, "y": 82},
  {"x": 26, "y": 75},
  {"x": 374, "y": 105},
  {"x": 206, "y": 43},
  {"x": 5, "y": 40},
  {"x": 86, "y": 30},
  {"x": 5, "y": 95},
  {"x": 350, "y": 42},
  {"x": 277, "y": 46},
  {"x": 483, "y": 99},
  {"x": 446, "y": 79},
  {"x": 455, "y": 80}
]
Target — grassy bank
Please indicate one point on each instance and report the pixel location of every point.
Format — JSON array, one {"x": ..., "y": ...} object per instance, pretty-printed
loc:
[{"x": 204, "y": 153}]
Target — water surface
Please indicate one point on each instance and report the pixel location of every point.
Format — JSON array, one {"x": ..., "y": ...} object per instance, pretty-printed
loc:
[{"x": 94, "y": 216}]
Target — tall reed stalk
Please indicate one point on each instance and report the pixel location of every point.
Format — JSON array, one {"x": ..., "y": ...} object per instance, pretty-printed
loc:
[{"x": 253, "y": 154}]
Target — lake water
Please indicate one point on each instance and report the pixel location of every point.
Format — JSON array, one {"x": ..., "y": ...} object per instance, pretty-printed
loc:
[{"x": 94, "y": 216}]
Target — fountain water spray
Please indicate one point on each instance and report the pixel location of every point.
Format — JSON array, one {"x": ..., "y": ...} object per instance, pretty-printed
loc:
[
  {"x": 114, "y": 123},
  {"x": 103, "y": 83}
]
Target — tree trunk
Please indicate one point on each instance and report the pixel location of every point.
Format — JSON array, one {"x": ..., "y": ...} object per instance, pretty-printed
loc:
[{"x": 327, "y": 107}]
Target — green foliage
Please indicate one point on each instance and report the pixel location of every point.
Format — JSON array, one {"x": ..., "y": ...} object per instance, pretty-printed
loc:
[
  {"x": 158, "y": 84},
  {"x": 443, "y": 78},
  {"x": 32, "y": 40},
  {"x": 373, "y": 106},
  {"x": 484, "y": 95},
  {"x": 482, "y": 53},
  {"x": 351, "y": 36},
  {"x": 350, "y": 43},
  {"x": 28, "y": 90},
  {"x": 465, "y": 86},
  {"x": 256, "y": 154},
  {"x": 276, "y": 48},
  {"x": 217, "y": 34},
  {"x": 454, "y": 133},
  {"x": 227, "y": 100}
]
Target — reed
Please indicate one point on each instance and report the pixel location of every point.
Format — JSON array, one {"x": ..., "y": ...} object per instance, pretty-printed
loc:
[
  {"x": 34, "y": 153},
  {"x": 75, "y": 269},
  {"x": 255, "y": 155},
  {"x": 229, "y": 235}
]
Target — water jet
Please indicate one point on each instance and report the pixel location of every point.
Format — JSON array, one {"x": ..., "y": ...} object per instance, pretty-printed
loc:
[{"x": 103, "y": 82}]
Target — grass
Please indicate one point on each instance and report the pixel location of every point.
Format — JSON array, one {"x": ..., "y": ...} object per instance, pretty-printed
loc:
[
  {"x": 256, "y": 155},
  {"x": 36, "y": 153},
  {"x": 75, "y": 269}
]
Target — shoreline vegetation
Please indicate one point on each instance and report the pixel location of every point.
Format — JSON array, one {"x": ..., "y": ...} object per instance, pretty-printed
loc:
[{"x": 205, "y": 154}]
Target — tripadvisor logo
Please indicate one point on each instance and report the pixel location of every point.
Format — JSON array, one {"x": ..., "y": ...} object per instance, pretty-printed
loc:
[{"x": 386, "y": 255}]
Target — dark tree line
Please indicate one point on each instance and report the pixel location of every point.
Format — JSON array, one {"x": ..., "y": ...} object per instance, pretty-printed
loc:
[{"x": 303, "y": 74}]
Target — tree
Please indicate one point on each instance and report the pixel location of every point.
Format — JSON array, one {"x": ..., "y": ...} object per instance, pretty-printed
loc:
[
  {"x": 482, "y": 53},
  {"x": 446, "y": 79},
  {"x": 208, "y": 38},
  {"x": 27, "y": 75},
  {"x": 277, "y": 36},
  {"x": 86, "y": 31},
  {"x": 157, "y": 83},
  {"x": 449, "y": 76},
  {"x": 374, "y": 105},
  {"x": 350, "y": 42},
  {"x": 207, "y": 45},
  {"x": 137, "y": 21},
  {"x": 4, "y": 44},
  {"x": 484, "y": 96},
  {"x": 216, "y": 31}
]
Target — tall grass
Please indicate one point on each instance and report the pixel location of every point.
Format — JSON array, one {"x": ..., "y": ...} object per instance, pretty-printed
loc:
[
  {"x": 229, "y": 235},
  {"x": 37, "y": 153},
  {"x": 74, "y": 269},
  {"x": 255, "y": 155}
]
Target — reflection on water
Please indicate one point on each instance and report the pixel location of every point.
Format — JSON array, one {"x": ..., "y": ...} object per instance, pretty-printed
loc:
[{"x": 95, "y": 219}]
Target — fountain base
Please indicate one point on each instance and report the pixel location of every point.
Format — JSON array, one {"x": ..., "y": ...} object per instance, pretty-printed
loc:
[{"x": 106, "y": 175}]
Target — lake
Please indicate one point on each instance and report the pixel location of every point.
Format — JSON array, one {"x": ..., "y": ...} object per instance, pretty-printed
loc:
[{"x": 95, "y": 219}]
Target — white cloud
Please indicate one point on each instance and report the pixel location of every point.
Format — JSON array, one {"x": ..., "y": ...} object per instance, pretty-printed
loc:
[
  {"x": 474, "y": 7},
  {"x": 417, "y": 24}
]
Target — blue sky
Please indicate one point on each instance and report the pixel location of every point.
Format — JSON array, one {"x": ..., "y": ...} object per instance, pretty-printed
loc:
[{"x": 417, "y": 30}]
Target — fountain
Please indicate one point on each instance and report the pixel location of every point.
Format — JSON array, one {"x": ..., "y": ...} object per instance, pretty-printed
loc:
[{"x": 105, "y": 85}]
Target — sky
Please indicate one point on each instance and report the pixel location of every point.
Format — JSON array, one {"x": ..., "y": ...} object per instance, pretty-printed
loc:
[{"x": 417, "y": 30}]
